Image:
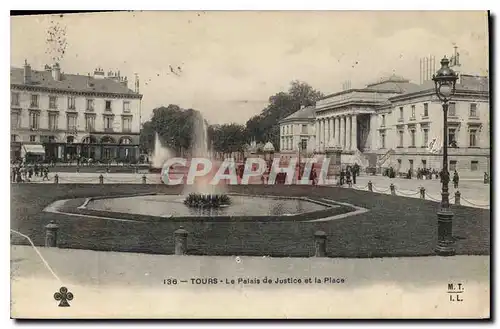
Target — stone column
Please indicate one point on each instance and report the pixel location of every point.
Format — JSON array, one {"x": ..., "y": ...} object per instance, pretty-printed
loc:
[
  {"x": 342, "y": 132},
  {"x": 348, "y": 132},
  {"x": 332, "y": 134},
  {"x": 327, "y": 132},
  {"x": 323, "y": 134},
  {"x": 337, "y": 131},
  {"x": 316, "y": 142},
  {"x": 354, "y": 139}
]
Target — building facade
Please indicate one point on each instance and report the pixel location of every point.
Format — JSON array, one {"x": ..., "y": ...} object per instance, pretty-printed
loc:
[
  {"x": 297, "y": 132},
  {"x": 399, "y": 124},
  {"x": 70, "y": 116}
]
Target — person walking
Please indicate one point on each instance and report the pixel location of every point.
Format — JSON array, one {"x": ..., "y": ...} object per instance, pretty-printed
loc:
[
  {"x": 455, "y": 179},
  {"x": 348, "y": 177},
  {"x": 342, "y": 176},
  {"x": 45, "y": 173}
]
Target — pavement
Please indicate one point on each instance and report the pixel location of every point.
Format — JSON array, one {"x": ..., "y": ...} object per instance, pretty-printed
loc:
[{"x": 129, "y": 285}]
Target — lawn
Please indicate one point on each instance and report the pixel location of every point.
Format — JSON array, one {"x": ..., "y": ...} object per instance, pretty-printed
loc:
[{"x": 394, "y": 226}]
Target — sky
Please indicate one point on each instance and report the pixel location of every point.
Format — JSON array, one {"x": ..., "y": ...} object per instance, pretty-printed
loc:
[{"x": 231, "y": 62}]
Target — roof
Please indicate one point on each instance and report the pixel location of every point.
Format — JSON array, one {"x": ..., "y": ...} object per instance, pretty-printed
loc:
[
  {"x": 467, "y": 83},
  {"x": 69, "y": 82},
  {"x": 302, "y": 114}
]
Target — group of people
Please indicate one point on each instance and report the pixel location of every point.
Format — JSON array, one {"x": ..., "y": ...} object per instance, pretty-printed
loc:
[
  {"x": 348, "y": 175},
  {"x": 23, "y": 172},
  {"x": 427, "y": 173}
]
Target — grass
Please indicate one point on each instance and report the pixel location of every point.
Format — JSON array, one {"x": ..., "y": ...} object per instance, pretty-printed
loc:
[{"x": 394, "y": 226}]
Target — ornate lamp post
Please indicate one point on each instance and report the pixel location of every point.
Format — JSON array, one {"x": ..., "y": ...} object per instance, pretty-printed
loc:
[{"x": 444, "y": 81}]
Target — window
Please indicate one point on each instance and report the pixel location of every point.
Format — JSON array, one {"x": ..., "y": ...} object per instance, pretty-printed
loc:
[
  {"x": 474, "y": 165},
  {"x": 401, "y": 138},
  {"x": 90, "y": 104},
  {"x": 15, "y": 120},
  {"x": 401, "y": 116},
  {"x": 32, "y": 138},
  {"x": 14, "y": 99},
  {"x": 34, "y": 101},
  {"x": 426, "y": 137},
  {"x": 453, "y": 165},
  {"x": 34, "y": 120},
  {"x": 383, "y": 119},
  {"x": 108, "y": 122},
  {"x": 473, "y": 138},
  {"x": 303, "y": 145},
  {"x": 52, "y": 121},
  {"x": 412, "y": 135},
  {"x": 426, "y": 109},
  {"x": 304, "y": 129},
  {"x": 127, "y": 124},
  {"x": 71, "y": 122},
  {"x": 52, "y": 102},
  {"x": 89, "y": 122},
  {"x": 452, "y": 110},
  {"x": 413, "y": 112},
  {"x": 108, "y": 105},
  {"x": 71, "y": 103},
  {"x": 473, "y": 110},
  {"x": 126, "y": 109},
  {"x": 424, "y": 164},
  {"x": 382, "y": 140},
  {"x": 451, "y": 136}
]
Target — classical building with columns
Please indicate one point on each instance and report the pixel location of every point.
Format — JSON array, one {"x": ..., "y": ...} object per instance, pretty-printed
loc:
[{"x": 397, "y": 123}]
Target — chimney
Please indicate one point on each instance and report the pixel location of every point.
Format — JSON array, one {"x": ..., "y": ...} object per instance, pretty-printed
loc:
[
  {"x": 98, "y": 73},
  {"x": 136, "y": 83},
  {"x": 124, "y": 82},
  {"x": 27, "y": 72},
  {"x": 90, "y": 84},
  {"x": 56, "y": 72},
  {"x": 47, "y": 68}
]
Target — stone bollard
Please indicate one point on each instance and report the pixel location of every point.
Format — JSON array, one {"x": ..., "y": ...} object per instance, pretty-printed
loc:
[
  {"x": 370, "y": 186},
  {"x": 180, "y": 238},
  {"x": 77, "y": 169},
  {"x": 422, "y": 192},
  {"x": 56, "y": 179},
  {"x": 101, "y": 179},
  {"x": 457, "y": 198},
  {"x": 319, "y": 244},
  {"x": 51, "y": 234},
  {"x": 393, "y": 189},
  {"x": 143, "y": 179}
]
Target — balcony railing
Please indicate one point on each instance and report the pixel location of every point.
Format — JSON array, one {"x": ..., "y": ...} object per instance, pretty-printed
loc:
[
  {"x": 126, "y": 130},
  {"x": 108, "y": 130}
]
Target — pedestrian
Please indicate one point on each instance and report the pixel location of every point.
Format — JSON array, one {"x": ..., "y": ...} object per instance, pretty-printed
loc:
[
  {"x": 45, "y": 173},
  {"x": 312, "y": 176},
  {"x": 30, "y": 172},
  {"x": 342, "y": 175},
  {"x": 36, "y": 169},
  {"x": 455, "y": 179},
  {"x": 14, "y": 172},
  {"x": 348, "y": 177}
]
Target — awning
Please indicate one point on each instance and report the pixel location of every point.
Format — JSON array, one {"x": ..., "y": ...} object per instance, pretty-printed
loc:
[{"x": 34, "y": 149}]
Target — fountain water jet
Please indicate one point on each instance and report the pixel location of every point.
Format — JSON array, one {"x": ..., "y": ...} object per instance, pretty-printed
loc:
[
  {"x": 160, "y": 154},
  {"x": 202, "y": 186}
]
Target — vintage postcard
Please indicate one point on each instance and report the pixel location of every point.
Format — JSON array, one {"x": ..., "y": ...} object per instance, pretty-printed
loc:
[{"x": 250, "y": 164}]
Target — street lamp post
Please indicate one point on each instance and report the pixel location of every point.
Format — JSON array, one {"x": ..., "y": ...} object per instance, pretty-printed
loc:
[{"x": 445, "y": 80}]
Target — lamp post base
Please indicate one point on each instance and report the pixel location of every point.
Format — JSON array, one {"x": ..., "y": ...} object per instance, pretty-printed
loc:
[{"x": 445, "y": 245}]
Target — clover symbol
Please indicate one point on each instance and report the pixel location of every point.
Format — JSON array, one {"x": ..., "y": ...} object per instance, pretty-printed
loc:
[{"x": 63, "y": 296}]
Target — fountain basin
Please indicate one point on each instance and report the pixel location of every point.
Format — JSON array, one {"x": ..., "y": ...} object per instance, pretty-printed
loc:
[{"x": 172, "y": 206}]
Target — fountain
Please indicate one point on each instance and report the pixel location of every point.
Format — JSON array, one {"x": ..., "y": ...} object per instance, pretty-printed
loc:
[
  {"x": 160, "y": 154},
  {"x": 202, "y": 193}
]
